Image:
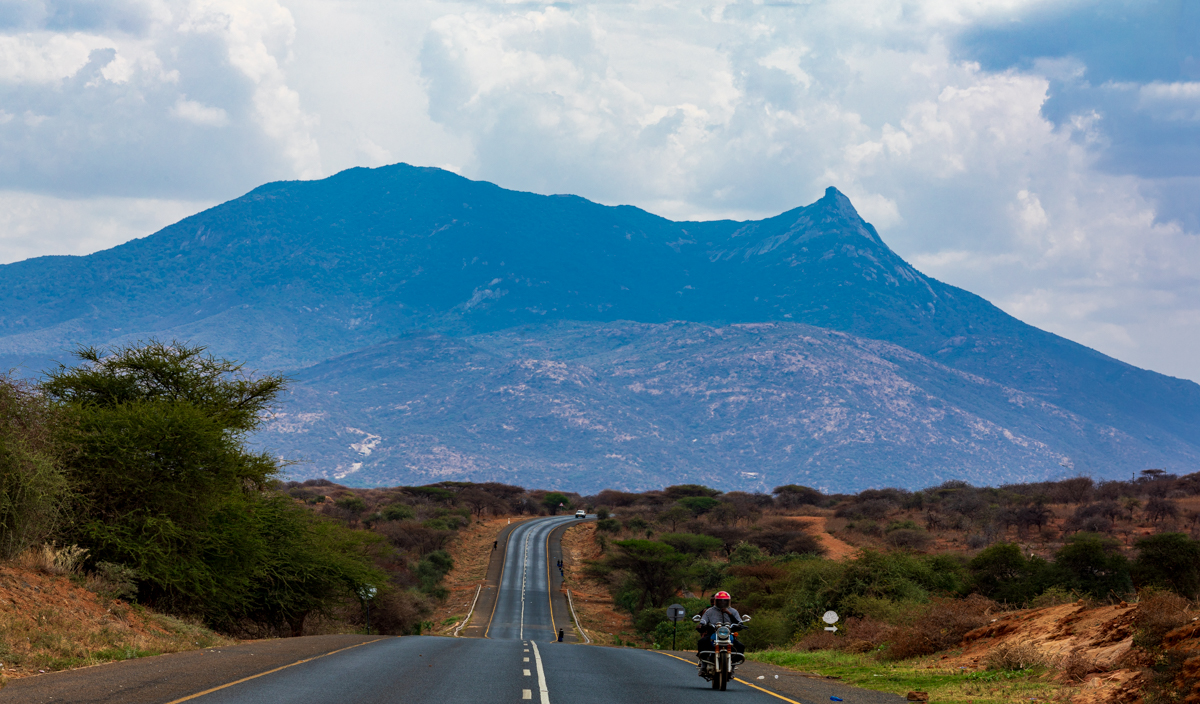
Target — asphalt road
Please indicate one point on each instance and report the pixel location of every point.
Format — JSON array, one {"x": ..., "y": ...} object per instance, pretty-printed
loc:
[
  {"x": 524, "y": 609},
  {"x": 518, "y": 661}
]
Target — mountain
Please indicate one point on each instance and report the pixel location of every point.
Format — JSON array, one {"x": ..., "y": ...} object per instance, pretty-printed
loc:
[
  {"x": 636, "y": 406},
  {"x": 297, "y": 274}
]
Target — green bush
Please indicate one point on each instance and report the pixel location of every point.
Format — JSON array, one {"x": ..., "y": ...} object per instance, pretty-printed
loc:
[
  {"x": 1169, "y": 561},
  {"x": 430, "y": 571},
  {"x": 691, "y": 543},
  {"x": 353, "y": 504},
  {"x": 399, "y": 512},
  {"x": 34, "y": 490},
  {"x": 1093, "y": 564},
  {"x": 1002, "y": 572},
  {"x": 767, "y": 629},
  {"x": 608, "y": 525}
]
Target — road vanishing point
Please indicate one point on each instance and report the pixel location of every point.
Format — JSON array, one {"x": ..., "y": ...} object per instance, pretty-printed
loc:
[{"x": 517, "y": 658}]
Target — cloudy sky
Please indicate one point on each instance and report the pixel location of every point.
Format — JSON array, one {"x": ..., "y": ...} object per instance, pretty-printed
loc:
[{"x": 1045, "y": 155}]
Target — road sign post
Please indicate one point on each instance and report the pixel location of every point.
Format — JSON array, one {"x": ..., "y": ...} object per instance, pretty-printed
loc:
[
  {"x": 675, "y": 614},
  {"x": 367, "y": 592}
]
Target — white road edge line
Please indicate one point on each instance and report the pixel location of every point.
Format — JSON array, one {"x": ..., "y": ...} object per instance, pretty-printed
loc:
[
  {"x": 577, "y": 623},
  {"x": 468, "y": 618},
  {"x": 541, "y": 675}
]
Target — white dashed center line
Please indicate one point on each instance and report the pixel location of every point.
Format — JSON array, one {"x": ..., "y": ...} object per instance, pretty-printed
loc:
[
  {"x": 526, "y": 694},
  {"x": 526, "y": 672},
  {"x": 525, "y": 659}
]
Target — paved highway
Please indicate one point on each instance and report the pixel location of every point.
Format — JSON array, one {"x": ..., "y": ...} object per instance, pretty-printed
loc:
[
  {"x": 523, "y": 607},
  {"x": 518, "y": 661}
]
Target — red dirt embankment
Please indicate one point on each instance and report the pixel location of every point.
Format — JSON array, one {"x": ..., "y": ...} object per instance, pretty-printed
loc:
[
  {"x": 1098, "y": 640},
  {"x": 48, "y": 623}
]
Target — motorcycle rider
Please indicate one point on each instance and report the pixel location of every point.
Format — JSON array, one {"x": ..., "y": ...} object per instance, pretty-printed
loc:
[{"x": 720, "y": 613}]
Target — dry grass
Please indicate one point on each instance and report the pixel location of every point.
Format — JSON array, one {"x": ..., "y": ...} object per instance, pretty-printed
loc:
[
  {"x": 51, "y": 559},
  {"x": 1011, "y": 656},
  {"x": 50, "y": 623}
]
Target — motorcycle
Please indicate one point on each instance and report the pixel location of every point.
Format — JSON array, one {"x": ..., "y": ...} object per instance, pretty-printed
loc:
[{"x": 717, "y": 665}]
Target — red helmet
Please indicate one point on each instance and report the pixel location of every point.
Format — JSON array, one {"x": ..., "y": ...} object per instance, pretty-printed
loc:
[{"x": 721, "y": 600}]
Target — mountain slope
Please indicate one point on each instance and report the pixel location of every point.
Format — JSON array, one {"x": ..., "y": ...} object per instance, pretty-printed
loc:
[
  {"x": 294, "y": 273},
  {"x": 634, "y": 406}
]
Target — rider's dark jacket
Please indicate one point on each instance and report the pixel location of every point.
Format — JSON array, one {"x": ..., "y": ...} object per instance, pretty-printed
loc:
[{"x": 714, "y": 617}]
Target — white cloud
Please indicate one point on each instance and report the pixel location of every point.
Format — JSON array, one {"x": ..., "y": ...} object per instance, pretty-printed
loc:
[
  {"x": 80, "y": 225},
  {"x": 736, "y": 109},
  {"x": 199, "y": 113}
]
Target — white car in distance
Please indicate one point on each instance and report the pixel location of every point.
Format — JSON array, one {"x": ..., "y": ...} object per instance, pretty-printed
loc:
[{"x": 581, "y": 514}]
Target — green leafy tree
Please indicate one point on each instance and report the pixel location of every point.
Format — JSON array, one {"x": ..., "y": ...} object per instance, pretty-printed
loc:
[
  {"x": 1170, "y": 561},
  {"x": 675, "y": 515},
  {"x": 655, "y": 568},
  {"x": 554, "y": 501},
  {"x": 167, "y": 487},
  {"x": 699, "y": 504},
  {"x": 1003, "y": 573},
  {"x": 1093, "y": 564}
]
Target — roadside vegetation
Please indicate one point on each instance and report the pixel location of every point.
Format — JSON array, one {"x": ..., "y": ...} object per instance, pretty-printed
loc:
[
  {"x": 129, "y": 475},
  {"x": 928, "y": 568}
]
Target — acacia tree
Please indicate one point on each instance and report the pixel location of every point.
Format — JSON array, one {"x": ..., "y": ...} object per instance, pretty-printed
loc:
[
  {"x": 166, "y": 486},
  {"x": 656, "y": 568}
]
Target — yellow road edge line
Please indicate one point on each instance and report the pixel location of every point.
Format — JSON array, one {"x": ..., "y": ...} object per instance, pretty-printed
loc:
[
  {"x": 735, "y": 679},
  {"x": 251, "y": 677},
  {"x": 777, "y": 696}
]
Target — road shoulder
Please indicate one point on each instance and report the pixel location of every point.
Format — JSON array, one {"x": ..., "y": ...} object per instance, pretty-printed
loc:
[{"x": 166, "y": 678}]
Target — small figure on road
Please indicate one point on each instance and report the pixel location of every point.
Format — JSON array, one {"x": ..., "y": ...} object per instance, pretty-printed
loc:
[{"x": 495, "y": 543}]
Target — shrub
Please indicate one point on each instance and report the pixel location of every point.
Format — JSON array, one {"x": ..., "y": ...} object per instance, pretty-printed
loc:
[
  {"x": 602, "y": 513},
  {"x": 1093, "y": 565},
  {"x": 399, "y": 613},
  {"x": 767, "y": 629},
  {"x": 1013, "y": 655},
  {"x": 906, "y": 524},
  {"x": 34, "y": 490},
  {"x": 608, "y": 525},
  {"x": 792, "y": 496},
  {"x": 1169, "y": 561},
  {"x": 1076, "y": 667},
  {"x": 398, "y": 512},
  {"x": 909, "y": 539},
  {"x": 692, "y": 544},
  {"x": 819, "y": 640},
  {"x": 1158, "y": 613},
  {"x": 876, "y": 509},
  {"x": 865, "y": 634},
  {"x": 411, "y": 536},
  {"x": 942, "y": 626},
  {"x": 113, "y": 581},
  {"x": 1003, "y": 573}
]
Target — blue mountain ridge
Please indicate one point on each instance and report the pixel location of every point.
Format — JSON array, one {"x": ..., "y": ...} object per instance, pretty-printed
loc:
[{"x": 297, "y": 274}]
